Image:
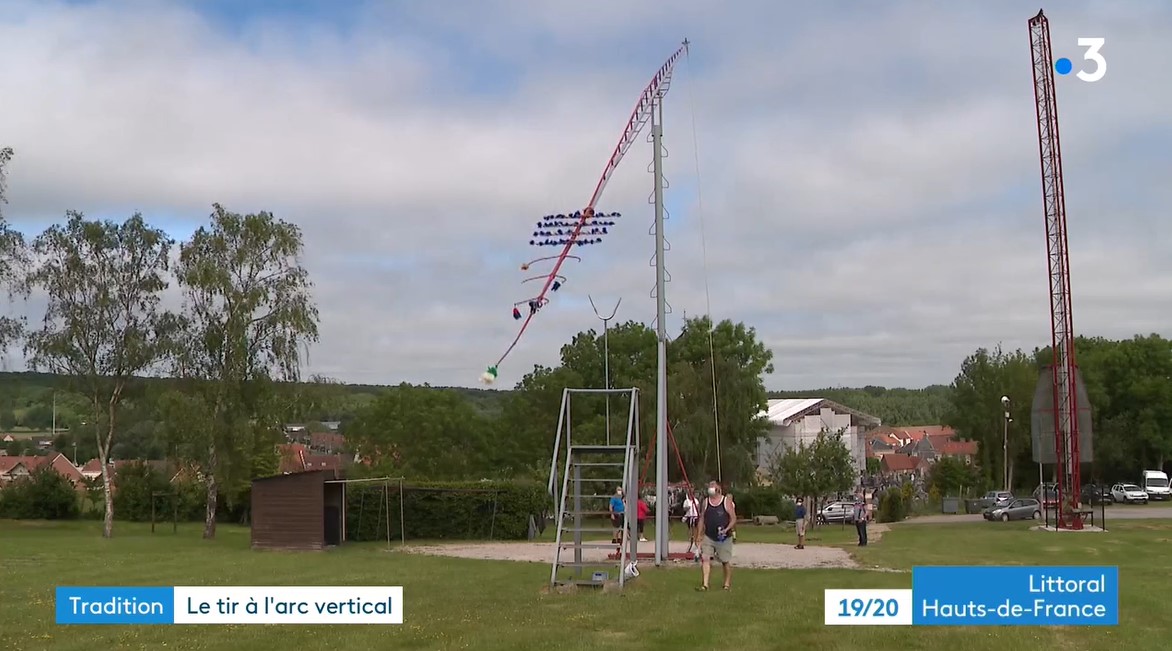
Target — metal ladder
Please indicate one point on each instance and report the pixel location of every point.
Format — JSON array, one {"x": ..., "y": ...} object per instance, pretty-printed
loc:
[{"x": 585, "y": 493}]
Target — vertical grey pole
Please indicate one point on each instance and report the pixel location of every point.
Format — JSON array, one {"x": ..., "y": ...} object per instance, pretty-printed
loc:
[
  {"x": 578, "y": 520},
  {"x": 661, "y": 501},
  {"x": 606, "y": 371}
]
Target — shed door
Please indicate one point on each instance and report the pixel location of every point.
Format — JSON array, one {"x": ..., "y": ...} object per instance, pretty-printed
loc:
[{"x": 333, "y": 524}]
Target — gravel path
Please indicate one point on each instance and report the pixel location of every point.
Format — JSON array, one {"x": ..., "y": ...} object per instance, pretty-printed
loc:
[{"x": 748, "y": 555}]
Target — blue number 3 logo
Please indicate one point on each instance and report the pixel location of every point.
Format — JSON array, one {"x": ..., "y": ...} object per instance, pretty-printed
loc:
[{"x": 1093, "y": 45}]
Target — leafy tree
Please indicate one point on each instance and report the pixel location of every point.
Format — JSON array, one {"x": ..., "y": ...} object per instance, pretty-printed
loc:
[
  {"x": 424, "y": 433},
  {"x": 976, "y": 411},
  {"x": 738, "y": 359},
  {"x": 1129, "y": 383},
  {"x": 6, "y": 154},
  {"x": 817, "y": 469},
  {"x": 103, "y": 324},
  {"x": 248, "y": 314},
  {"x": 12, "y": 255},
  {"x": 950, "y": 476},
  {"x": 792, "y": 470},
  {"x": 833, "y": 464}
]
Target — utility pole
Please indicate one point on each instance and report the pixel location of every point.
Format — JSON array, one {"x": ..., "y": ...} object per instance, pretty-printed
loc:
[
  {"x": 606, "y": 354},
  {"x": 1005, "y": 443},
  {"x": 661, "y": 500}
]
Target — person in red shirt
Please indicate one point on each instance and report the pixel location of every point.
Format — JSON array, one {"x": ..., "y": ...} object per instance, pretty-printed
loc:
[{"x": 641, "y": 513}]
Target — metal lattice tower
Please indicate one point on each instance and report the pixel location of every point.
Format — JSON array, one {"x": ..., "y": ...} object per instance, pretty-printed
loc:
[{"x": 1063, "y": 368}]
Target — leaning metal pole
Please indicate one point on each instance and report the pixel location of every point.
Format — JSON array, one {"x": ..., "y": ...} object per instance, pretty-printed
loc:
[{"x": 661, "y": 500}]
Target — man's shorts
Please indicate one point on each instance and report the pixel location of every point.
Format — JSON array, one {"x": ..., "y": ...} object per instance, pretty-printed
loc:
[
  {"x": 800, "y": 525},
  {"x": 617, "y": 520},
  {"x": 723, "y": 551}
]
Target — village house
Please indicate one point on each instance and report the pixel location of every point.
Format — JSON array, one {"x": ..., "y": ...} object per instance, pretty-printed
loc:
[
  {"x": 908, "y": 452},
  {"x": 298, "y": 457},
  {"x": 16, "y": 467}
]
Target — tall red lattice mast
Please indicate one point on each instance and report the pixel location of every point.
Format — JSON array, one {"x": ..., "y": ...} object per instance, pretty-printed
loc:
[{"x": 1063, "y": 368}]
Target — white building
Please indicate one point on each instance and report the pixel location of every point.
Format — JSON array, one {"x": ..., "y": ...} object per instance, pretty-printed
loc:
[{"x": 794, "y": 420}]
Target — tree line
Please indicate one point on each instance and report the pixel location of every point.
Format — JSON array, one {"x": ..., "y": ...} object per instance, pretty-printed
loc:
[{"x": 1129, "y": 383}]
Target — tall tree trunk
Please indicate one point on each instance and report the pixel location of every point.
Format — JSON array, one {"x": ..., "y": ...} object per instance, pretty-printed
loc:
[
  {"x": 108, "y": 519},
  {"x": 1010, "y": 480},
  {"x": 103, "y": 442},
  {"x": 104, "y": 458},
  {"x": 209, "y": 522}
]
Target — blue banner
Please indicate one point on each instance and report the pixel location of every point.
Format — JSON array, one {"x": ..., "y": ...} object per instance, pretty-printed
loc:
[
  {"x": 110, "y": 605},
  {"x": 1015, "y": 596}
]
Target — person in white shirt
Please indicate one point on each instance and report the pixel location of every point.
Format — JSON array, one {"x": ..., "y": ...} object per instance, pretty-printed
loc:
[{"x": 691, "y": 517}]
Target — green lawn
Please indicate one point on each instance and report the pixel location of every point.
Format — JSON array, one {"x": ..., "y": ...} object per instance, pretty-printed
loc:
[{"x": 455, "y": 603}]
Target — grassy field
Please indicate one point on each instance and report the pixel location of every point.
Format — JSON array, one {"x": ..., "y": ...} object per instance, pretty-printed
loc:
[{"x": 467, "y": 604}]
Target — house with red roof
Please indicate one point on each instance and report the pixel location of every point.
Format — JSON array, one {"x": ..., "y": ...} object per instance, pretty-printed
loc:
[
  {"x": 16, "y": 467},
  {"x": 924, "y": 443},
  {"x": 901, "y": 466},
  {"x": 298, "y": 457}
]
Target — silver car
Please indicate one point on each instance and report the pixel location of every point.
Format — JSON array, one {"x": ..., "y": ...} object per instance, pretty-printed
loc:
[
  {"x": 840, "y": 511},
  {"x": 1022, "y": 509}
]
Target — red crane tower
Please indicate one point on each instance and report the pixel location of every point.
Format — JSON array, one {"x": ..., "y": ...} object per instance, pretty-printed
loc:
[{"x": 1063, "y": 370}]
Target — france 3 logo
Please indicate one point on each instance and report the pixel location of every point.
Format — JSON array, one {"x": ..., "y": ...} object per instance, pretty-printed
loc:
[{"x": 1096, "y": 66}]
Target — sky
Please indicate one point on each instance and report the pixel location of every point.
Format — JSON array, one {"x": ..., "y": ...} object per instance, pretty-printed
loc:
[{"x": 859, "y": 183}]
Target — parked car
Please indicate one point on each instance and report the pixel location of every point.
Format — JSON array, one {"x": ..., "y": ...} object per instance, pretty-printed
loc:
[
  {"x": 1129, "y": 494},
  {"x": 1019, "y": 509},
  {"x": 993, "y": 498},
  {"x": 1047, "y": 494},
  {"x": 840, "y": 511},
  {"x": 1096, "y": 494}
]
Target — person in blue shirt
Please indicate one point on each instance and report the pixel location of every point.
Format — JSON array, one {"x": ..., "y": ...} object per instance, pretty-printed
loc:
[
  {"x": 616, "y": 514},
  {"x": 800, "y": 524}
]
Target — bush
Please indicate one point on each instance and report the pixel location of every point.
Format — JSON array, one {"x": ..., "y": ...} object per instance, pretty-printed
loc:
[
  {"x": 43, "y": 495},
  {"x": 140, "y": 486},
  {"x": 892, "y": 505},
  {"x": 497, "y": 510},
  {"x": 764, "y": 500}
]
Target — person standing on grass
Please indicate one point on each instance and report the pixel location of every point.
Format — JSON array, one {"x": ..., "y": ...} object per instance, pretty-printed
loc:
[
  {"x": 691, "y": 517},
  {"x": 860, "y": 517},
  {"x": 617, "y": 508},
  {"x": 800, "y": 524},
  {"x": 641, "y": 510},
  {"x": 718, "y": 521}
]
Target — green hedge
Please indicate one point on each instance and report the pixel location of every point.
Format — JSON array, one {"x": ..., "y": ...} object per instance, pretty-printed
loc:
[
  {"x": 763, "y": 500},
  {"x": 43, "y": 495},
  {"x": 141, "y": 486},
  {"x": 444, "y": 510}
]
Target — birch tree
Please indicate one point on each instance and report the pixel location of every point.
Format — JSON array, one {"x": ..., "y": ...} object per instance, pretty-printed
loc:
[
  {"x": 248, "y": 315},
  {"x": 103, "y": 324},
  {"x": 12, "y": 256}
]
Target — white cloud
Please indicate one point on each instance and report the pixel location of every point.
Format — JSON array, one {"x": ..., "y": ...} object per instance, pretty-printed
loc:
[{"x": 870, "y": 181}]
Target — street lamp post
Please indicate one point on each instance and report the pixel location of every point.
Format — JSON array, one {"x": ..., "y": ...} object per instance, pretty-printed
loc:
[{"x": 1005, "y": 443}]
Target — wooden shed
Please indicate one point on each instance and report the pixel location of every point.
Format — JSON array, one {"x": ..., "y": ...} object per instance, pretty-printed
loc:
[{"x": 298, "y": 511}]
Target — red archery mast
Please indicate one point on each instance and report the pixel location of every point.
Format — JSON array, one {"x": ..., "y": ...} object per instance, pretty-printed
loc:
[{"x": 1063, "y": 367}]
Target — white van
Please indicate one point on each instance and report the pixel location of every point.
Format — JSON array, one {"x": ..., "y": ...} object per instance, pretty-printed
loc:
[{"x": 1155, "y": 483}]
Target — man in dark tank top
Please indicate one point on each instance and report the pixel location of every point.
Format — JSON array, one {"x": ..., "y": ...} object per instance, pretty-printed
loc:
[{"x": 718, "y": 519}]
